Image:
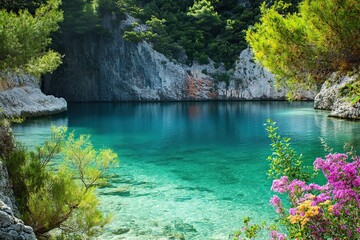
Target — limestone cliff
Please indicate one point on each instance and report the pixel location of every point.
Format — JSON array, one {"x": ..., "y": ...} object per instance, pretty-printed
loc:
[
  {"x": 108, "y": 68},
  {"x": 333, "y": 97},
  {"x": 20, "y": 96}
]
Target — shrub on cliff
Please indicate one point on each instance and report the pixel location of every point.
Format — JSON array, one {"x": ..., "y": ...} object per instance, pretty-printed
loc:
[
  {"x": 301, "y": 48},
  {"x": 54, "y": 185}
]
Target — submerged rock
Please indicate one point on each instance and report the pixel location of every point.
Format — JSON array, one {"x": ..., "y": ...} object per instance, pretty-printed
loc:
[
  {"x": 120, "y": 231},
  {"x": 333, "y": 96},
  {"x": 179, "y": 230},
  {"x": 120, "y": 191},
  {"x": 22, "y": 97}
]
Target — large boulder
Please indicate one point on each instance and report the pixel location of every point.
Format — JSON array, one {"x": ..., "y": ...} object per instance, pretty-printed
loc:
[
  {"x": 21, "y": 97},
  {"x": 333, "y": 96}
]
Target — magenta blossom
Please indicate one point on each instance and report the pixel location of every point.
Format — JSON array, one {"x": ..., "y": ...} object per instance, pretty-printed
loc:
[
  {"x": 297, "y": 186},
  {"x": 275, "y": 235},
  {"x": 275, "y": 201},
  {"x": 292, "y": 211},
  {"x": 280, "y": 185},
  {"x": 335, "y": 206}
]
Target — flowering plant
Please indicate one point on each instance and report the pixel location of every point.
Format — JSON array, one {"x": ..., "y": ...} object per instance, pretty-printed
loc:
[{"x": 331, "y": 211}]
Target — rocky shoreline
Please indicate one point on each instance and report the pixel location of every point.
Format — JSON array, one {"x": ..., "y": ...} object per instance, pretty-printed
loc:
[
  {"x": 20, "y": 96},
  {"x": 332, "y": 99}
]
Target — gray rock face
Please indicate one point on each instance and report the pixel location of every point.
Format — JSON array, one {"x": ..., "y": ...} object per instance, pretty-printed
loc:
[
  {"x": 255, "y": 81},
  {"x": 331, "y": 98},
  {"x": 112, "y": 69},
  {"x": 12, "y": 228},
  {"x": 6, "y": 193},
  {"x": 7, "y": 145},
  {"x": 24, "y": 99}
]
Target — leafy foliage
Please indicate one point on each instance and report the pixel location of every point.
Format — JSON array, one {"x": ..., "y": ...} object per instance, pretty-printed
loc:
[
  {"x": 352, "y": 91},
  {"x": 284, "y": 160},
  {"x": 15, "y": 6},
  {"x": 83, "y": 17},
  {"x": 200, "y": 29},
  {"x": 249, "y": 230},
  {"x": 54, "y": 193},
  {"x": 119, "y": 8},
  {"x": 301, "y": 48},
  {"x": 79, "y": 17},
  {"x": 25, "y": 37}
]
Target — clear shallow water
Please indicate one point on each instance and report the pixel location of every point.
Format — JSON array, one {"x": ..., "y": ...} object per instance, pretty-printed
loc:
[{"x": 191, "y": 169}]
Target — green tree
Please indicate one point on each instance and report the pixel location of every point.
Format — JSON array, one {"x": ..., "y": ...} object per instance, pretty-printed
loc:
[
  {"x": 25, "y": 37},
  {"x": 206, "y": 16},
  {"x": 302, "y": 48},
  {"x": 55, "y": 184},
  {"x": 15, "y": 6},
  {"x": 155, "y": 29},
  {"x": 80, "y": 17},
  {"x": 195, "y": 30}
]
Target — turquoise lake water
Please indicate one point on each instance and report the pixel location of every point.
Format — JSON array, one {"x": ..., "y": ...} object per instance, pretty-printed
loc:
[{"x": 191, "y": 170}]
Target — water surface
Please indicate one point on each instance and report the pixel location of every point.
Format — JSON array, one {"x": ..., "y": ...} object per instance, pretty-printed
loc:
[{"x": 191, "y": 170}]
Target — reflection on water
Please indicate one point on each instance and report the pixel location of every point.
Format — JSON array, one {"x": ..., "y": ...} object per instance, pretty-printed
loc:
[
  {"x": 191, "y": 170},
  {"x": 338, "y": 131}
]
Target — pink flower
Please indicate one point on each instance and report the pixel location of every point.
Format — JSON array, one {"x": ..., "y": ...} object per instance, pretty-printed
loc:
[
  {"x": 297, "y": 186},
  {"x": 277, "y": 236},
  {"x": 320, "y": 198},
  {"x": 313, "y": 186},
  {"x": 318, "y": 163},
  {"x": 275, "y": 201},
  {"x": 292, "y": 211},
  {"x": 280, "y": 185}
]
